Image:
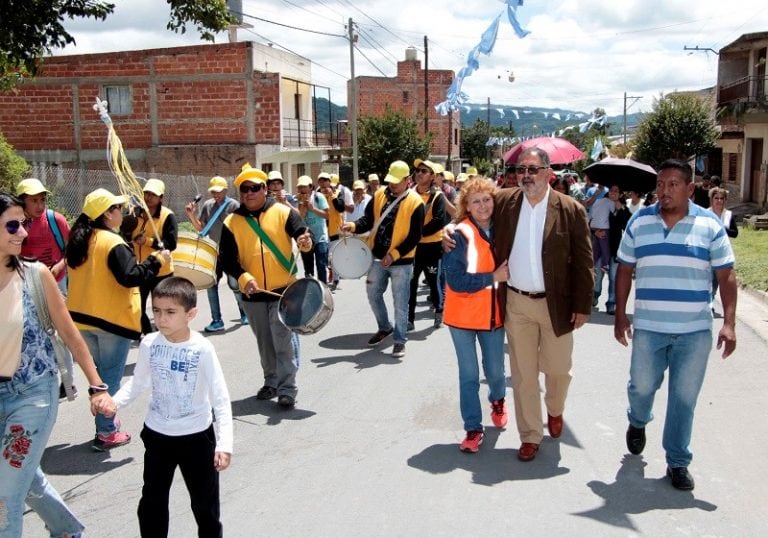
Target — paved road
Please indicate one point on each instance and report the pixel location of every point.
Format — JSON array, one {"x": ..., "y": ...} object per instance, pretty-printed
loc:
[{"x": 371, "y": 449}]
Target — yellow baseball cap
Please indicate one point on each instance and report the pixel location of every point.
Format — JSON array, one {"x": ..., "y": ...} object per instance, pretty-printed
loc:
[
  {"x": 98, "y": 201},
  {"x": 217, "y": 184},
  {"x": 155, "y": 186},
  {"x": 439, "y": 168},
  {"x": 472, "y": 171},
  {"x": 429, "y": 164},
  {"x": 448, "y": 175},
  {"x": 249, "y": 173},
  {"x": 334, "y": 179},
  {"x": 358, "y": 184},
  {"x": 461, "y": 177},
  {"x": 304, "y": 181},
  {"x": 373, "y": 177},
  {"x": 30, "y": 187},
  {"x": 398, "y": 171}
]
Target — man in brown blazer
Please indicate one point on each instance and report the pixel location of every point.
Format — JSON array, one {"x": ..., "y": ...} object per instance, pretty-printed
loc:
[{"x": 545, "y": 237}]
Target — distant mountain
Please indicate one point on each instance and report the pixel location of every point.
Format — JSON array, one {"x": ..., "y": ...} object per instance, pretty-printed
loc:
[{"x": 527, "y": 121}]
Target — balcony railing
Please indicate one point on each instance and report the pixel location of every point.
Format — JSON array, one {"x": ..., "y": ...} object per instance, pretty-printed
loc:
[
  {"x": 311, "y": 134},
  {"x": 748, "y": 90}
]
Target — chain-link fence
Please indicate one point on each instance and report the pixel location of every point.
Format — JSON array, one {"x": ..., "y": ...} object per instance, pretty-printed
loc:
[{"x": 69, "y": 187}]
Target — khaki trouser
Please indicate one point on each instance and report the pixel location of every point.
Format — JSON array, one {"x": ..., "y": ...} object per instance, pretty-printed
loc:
[{"x": 534, "y": 348}]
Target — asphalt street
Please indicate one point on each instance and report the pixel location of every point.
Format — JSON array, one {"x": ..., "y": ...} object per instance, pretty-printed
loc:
[{"x": 372, "y": 446}]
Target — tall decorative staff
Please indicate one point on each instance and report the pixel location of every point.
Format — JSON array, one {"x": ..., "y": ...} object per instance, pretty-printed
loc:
[{"x": 127, "y": 182}]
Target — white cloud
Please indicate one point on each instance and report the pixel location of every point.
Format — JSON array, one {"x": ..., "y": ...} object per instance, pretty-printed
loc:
[{"x": 580, "y": 55}]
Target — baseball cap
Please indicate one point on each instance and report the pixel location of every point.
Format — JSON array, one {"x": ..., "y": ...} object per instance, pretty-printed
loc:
[
  {"x": 217, "y": 184},
  {"x": 249, "y": 173},
  {"x": 461, "y": 177},
  {"x": 358, "y": 184},
  {"x": 304, "y": 181},
  {"x": 398, "y": 171},
  {"x": 324, "y": 175},
  {"x": 155, "y": 186},
  {"x": 31, "y": 187},
  {"x": 472, "y": 171},
  {"x": 275, "y": 175},
  {"x": 448, "y": 176},
  {"x": 429, "y": 164},
  {"x": 439, "y": 168},
  {"x": 334, "y": 179},
  {"x": 98, "y": 201},
  {"x": 373, "y": 177}
]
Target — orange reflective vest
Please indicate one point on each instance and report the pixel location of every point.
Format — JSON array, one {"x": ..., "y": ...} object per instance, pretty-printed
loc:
[{"x": 478, "y": 310}]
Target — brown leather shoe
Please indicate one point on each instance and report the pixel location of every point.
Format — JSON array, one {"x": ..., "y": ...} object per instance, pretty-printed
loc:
[
  {"x": 555, "y": 425},
  {"x": 527, "y": 451}
]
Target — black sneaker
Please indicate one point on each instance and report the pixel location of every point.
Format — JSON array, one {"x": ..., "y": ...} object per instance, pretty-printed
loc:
[
  {"x": 63, "y": 391},
  {"x": 266, "y": 393},
  {"x": 438, "y": 320},
  {"x": 398, "y": 350},
  {"x": 635, "y": 440},
  {"x": 411, "y": 327},
  {"x": 286, "y": 400},
  {"x": 378, "y": 337},
  {"x": 681, "y": 478}
]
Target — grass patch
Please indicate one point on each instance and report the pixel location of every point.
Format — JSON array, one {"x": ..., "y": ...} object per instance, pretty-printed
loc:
[{"x": 751, "y": 250}]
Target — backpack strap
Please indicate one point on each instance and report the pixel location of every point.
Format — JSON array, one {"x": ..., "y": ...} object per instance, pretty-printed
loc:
[{"x": 55, "y": 229}]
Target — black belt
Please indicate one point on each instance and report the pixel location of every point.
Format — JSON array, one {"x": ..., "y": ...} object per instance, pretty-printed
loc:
[{"x": 532, "y": 295}]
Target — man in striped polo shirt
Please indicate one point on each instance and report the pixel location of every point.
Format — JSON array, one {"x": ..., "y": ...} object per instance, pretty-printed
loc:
[{"x": 673, "y": 247}]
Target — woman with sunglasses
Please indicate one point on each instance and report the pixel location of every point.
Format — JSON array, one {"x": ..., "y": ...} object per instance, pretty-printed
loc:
[
  {"x": 104, "y": 280},
  {"x": 717, "y": 198},
  {"x": 29, "y": 382}
]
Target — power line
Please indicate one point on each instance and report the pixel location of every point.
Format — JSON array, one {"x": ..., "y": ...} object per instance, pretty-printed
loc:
[
  {"x": 381, "y": 50},
  {"x": 289, "y": 26},
  {"x": 383, "y": 74},
  {"x": 307, "y": 10},
  {"x": 377, "y": 23}
]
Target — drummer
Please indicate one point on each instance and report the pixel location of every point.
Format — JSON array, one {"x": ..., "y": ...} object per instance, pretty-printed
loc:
[
  {"x": 393, "y": 244},
  {"x": 336, "y": 211},
  {"x": 147, "y": 238},
  {"x": 313, "y": 208},
  {"x": 211, "y": 219},
  {"x": 265, "y": 229}
]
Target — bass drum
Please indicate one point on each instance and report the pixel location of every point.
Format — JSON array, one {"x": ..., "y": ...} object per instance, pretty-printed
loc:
[
  {"x": 195, "y": 259},
  {"x": 306, "y": 306},
  {"x": 350, "y": 258}
]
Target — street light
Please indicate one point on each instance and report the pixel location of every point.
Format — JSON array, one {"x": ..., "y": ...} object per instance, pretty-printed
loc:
[{"x": 701, "y": 49}]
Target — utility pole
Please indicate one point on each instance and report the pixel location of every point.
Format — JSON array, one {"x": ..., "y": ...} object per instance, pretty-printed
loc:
[
  {"x": 636, "y": 99},
  {"x": 353, "y": 99},
  {"x": 426, "y": 86}
]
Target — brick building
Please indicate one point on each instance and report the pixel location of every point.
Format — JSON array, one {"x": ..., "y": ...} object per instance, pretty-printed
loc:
[
  {"x": 406, "y": 93},
  {"x": 199, "y": 110}
]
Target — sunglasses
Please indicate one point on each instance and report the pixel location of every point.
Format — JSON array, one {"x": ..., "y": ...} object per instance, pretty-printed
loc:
[
  {"x": 13, "y": 226},
  {"x": 532, "y": 170},
  {"x": 423, "y": 170},
  {"x": 256, "y": 187}
]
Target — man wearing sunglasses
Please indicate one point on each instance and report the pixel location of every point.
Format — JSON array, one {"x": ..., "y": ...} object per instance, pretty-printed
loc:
[
  {"x": 545, "y": 238},
  {"x": 263, "y": 230}
]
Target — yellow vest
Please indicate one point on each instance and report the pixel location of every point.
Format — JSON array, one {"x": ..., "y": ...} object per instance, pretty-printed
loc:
[
  {"x": 402, "y": 220},
  {"x": 96, "y": 299},
  {"x": 335, "y": 219},
  {"x": 255, "y": 257},
  {"x": 438, "y": 235},
  {"x": 142, "y": 252}
]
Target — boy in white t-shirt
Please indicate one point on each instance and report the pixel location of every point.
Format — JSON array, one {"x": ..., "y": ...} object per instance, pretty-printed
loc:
[{"x": 188, "y": 390}]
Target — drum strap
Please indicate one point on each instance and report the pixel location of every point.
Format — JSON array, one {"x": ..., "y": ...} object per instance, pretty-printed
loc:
[
  {"x": 285, "y": 262},
  {"x": 215, "y": 216},
  {"x": 386, "y": 211}
]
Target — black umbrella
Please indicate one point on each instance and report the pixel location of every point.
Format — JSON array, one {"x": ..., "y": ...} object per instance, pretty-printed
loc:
[{"x": 629, "y": 175}]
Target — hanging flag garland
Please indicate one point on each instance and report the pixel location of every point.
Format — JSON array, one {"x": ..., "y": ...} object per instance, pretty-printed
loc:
[{"x": 455, "y": 97}]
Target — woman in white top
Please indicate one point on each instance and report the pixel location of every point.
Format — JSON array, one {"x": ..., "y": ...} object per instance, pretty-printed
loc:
[{"x": 717, "y": 198}]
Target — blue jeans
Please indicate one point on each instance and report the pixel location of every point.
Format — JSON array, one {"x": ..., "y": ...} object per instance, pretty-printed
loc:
[
  {"x": 109, "y": 352},
  {"x": 686, "y": 356},
  {"x": 610, "y": 304},
  {"x": 213, "y": 298},
  {"x": 492, "y": 349},
  {"x": 376, "y": 285},
  {"x": 317, "y": 257},
  {"x": 28, "y": 412}
]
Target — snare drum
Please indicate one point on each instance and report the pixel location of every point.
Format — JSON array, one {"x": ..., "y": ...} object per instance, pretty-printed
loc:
[
  {"x": 195, "y": 259},
  {"x": 350, "y": 257},
  {"x": 306, "y": 306}
]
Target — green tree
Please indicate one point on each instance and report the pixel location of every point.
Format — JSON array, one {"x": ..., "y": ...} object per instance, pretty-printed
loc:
[
  {"x": 12, "y": 167},
  {"x": 473, "y": 140},
  {"x": 679, "y": 126},
  {"x": 30, "y": 29},
  {"x": 391, "y": 137}
]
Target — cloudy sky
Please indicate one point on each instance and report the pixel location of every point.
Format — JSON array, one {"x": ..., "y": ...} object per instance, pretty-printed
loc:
[{"x": 579, "y": 55}]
